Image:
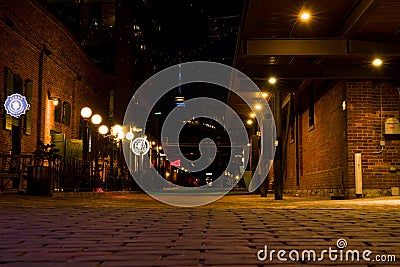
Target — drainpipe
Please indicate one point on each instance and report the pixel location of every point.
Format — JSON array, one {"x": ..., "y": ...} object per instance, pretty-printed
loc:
[
  {"x": 382, "y": 142},
  {"x": 40, "y": 116},
  {"x": 40, "y": 98}
]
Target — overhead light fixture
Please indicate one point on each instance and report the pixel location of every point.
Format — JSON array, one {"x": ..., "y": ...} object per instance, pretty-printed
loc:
[
  {"x": 377, "y": 62},
  {"x": 257, "y": 107},
  {"x": 249, "y": 122},
  {"x": 305, "y": 15},
  {"x": 264, "y": 94},
  {"x": 272, "y": 80},
  {"x": 252, "y": 115}
]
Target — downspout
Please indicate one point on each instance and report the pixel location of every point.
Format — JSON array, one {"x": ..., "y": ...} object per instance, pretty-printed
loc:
[
  {"x": 381, "y": 121},
  {"x": 40, "y": 98},
  {"x": 297, "y": 150},
  {"x": 43, "y": 52}
]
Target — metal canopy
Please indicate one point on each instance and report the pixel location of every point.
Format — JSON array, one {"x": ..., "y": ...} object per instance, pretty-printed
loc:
[
  {"x": 339, "y": 42},
  {"x": 321, "y": 47}
]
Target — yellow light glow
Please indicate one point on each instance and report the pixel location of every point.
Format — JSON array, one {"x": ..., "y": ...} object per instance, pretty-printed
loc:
[
  {"x": 265, "y": 94},
  {"x": 257, "y": 107},
  {"x": 249, "y": 122},
  {"x": 129, "y": 136},
  {"x": 272, "y": 80},
  {"x": 305, "y": 16},
  {"x": 153, "y": 143},
  {"x": 96, "y": 119},
  {"x": 86, "y": 112},
  {"x": 377, "y": 62},
  {"x": 121, "y": 135},
  {"x": 252, "y": 115},
  {"x": 160, "y": 148},
  {"x": 103, "y": 129},
  {"x": 55, "y": 101},
  {"x": 116, "y": 129}
]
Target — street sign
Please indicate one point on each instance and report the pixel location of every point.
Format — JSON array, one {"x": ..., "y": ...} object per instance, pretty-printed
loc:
[
  {"x": 176, "y": 163},
  {"x": 140, "y": 146}
]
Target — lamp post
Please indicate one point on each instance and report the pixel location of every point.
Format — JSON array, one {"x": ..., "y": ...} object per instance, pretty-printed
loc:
[
  {"x": 96, "y": 120},
  {"x": 115, "y": 132},
  {"x": 129, "y": 136},
  {"x": 86, "y": 113}
]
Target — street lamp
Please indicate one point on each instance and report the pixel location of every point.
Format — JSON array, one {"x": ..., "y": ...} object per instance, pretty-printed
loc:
[
  {"x": 103, "y": 129},
  {"x": 86, "y": 113},
  {"x": 96, "y": 120}
]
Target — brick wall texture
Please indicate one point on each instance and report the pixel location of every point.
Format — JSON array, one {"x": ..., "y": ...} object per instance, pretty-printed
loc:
[
  {"x": 326, "y": 151},
  {"x": 35, "y": 46}
]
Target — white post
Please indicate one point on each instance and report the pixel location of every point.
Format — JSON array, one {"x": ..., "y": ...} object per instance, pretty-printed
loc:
[{"x": 358, "y": 173}]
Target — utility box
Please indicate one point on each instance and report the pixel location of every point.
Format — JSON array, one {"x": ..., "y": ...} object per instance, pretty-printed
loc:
[{"x": 392, "y": 126}]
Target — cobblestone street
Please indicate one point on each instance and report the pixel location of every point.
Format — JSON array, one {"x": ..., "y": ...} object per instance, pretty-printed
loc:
[{"x": 134, "y": 230}]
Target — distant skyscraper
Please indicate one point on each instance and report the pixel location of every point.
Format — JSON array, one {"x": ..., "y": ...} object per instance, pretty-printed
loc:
[{"x": 130, "y": 40}]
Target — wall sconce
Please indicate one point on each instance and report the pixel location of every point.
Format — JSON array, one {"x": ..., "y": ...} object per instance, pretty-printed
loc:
[{"x": 52, "y": 98}]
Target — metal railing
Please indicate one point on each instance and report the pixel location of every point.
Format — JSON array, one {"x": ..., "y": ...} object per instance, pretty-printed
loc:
[
  {"x": 73, "y": 174},
  {"x": 13, "y": 171}
]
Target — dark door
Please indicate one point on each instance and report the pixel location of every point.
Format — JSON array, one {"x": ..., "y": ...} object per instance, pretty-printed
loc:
[{"x": 16, "y": 140}]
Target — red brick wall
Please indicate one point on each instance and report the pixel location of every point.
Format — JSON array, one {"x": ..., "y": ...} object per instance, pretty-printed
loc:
[
  {"x": 322, "y": 147},
  {"x": 20, "y": 49},
  {"x": 326, "y": 152},
  {"x": 364, "y": 133}
]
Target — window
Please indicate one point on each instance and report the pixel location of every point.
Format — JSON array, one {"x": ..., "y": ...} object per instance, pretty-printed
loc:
[
  {"x": 57, "y": 111},
  {"x": 66, "y": 113}
]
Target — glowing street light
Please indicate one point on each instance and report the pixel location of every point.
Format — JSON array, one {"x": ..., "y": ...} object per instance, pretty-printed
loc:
[
  {"x": 96, "y": 119},
  {"x": 103, "y": 129},
  {"x": 86, "y": 112},
  {"x": 377, "y": 62}
]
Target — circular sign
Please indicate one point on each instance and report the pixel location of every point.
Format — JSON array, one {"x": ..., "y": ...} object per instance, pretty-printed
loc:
[
  {"x": 140, "y": 146},
  {"x": 16, "y": 105}
]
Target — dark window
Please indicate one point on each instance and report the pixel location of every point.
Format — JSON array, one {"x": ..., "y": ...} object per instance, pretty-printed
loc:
[
  {"x": 66, "y": 113},
  {"x": 9, "y": 90},
  {"x": 57, "y": 111}
]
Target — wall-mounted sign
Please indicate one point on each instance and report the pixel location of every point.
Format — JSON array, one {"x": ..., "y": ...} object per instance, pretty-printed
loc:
[
  {"x": 16, "y": 105},
  {"x": 392, "y": 126},
  {"x": 176, "y": 163},
  {"x": 140, "y": 146}
]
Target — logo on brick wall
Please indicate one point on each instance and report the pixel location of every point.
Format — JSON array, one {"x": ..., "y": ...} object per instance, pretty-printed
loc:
[{"x": 16, "y": 105}]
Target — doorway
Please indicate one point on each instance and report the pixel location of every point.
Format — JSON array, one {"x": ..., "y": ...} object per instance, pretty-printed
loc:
[{"x": 16, "y": 140}]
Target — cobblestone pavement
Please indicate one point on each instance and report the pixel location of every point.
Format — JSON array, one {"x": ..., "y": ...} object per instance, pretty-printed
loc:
[{"x": 135, "y": 230}]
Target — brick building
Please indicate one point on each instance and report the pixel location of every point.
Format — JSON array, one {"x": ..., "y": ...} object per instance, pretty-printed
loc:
[
  {"x": 42, "y": 61},
  {"x": 347, "y": 120},
  {"x": 336, "y": 103}
]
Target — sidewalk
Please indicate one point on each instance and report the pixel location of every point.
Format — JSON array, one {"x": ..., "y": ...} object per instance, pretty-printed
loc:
[{"x": 132, "y": 229}]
